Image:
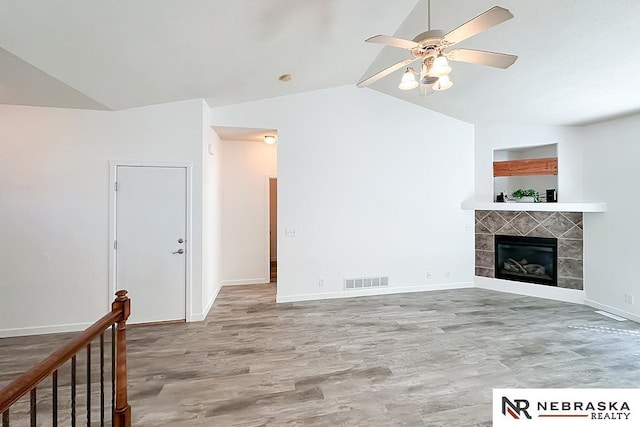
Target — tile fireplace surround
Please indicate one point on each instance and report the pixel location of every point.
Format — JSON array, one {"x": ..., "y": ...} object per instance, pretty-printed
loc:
[{"x": 565, "y": 226}]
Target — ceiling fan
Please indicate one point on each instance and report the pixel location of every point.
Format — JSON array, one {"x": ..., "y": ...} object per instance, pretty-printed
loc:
[{"x": 432, "y": 49}]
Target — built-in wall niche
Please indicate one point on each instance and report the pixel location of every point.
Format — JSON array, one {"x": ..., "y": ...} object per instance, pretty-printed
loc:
[{"x": 533, "y": 167}]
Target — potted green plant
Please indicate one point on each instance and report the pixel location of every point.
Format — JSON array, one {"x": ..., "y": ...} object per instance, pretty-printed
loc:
[{"x": 525, "y": 196}]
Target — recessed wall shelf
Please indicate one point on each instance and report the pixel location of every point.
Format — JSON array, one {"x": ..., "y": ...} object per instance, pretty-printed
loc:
[{"x": 540, "y": 207}]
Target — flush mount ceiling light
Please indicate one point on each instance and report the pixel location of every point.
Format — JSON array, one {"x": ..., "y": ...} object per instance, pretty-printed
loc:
[
  {"x": 269, "y": 139},
  {"x": 431, "y": 48}
]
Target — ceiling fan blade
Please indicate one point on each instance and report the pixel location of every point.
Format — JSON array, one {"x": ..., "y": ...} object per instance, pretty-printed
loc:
[
  {"x": 393, "y": 41},
  {"x": 385, "y": 72},
  {"x": 492, "y": 59},
  {"x": 484, "y": 21}
]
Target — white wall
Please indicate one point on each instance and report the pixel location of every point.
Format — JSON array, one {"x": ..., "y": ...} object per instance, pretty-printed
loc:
[
  {"x": 499, "y": 136},
  {"x": 54, "y": 206},
  {"x": 611, "y": 174},
  {"x": 212, "y": 215},
  {"x": 371, "y": 185},
  {"x": 245, "y": 169}
]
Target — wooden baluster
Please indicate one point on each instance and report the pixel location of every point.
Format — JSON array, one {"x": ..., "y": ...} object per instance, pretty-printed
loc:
[
  {"x": 122, "y": 410},
  {"x": 34, "y": 410},
  {"x": 113, "y": 373},
  {"x": 102, "y": 379},
  {"x": 5, "y": 418},
  {"x": 88, "y": 385},
  {"x": 73, "y": 391},
  {"x": 54, "y": 403}
]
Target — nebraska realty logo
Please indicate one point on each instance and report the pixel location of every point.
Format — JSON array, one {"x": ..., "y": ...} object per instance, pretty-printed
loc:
[{"x": 566, "y": 407}]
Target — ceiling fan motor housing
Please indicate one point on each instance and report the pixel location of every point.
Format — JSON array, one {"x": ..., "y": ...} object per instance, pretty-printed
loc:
[{"x": 430, "y": 43}]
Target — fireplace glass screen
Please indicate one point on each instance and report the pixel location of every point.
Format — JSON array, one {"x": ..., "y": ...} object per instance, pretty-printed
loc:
[{"x": 527, "y": 259}]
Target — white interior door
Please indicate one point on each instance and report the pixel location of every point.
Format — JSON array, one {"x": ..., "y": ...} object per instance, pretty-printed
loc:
[{"x": 150, "y": 237}]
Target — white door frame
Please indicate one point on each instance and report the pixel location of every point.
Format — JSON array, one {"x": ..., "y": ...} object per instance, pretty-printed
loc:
[
  {"x": 113, "y": 167},
  {"x": 268, "y": 224}
]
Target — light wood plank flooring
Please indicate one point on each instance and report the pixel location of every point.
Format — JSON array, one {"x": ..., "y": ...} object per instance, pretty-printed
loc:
[{"x": 423, "y": 359}]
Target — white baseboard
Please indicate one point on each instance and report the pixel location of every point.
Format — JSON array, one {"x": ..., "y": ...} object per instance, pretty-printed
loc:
[
  {"x": 201, "y": 316},
  {"x": 372, "y": 292},
  {"x": 257, "y": 281},
  {"x": 77, "y": 327},
  {"x": 612, "y": 310},
  {"x": 41, "y": 330},
  {"x": 530, "y": 289}
]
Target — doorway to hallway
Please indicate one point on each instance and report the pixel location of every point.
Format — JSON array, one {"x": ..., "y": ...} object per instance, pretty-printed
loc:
[{"x": 273, "y": 229}]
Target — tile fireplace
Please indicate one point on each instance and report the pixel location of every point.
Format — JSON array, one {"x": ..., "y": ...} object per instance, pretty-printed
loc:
[{"x": 565, "y": 227}]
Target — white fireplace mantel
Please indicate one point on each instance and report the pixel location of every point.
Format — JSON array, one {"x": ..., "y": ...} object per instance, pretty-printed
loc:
[{"x": 539, "y": 207}]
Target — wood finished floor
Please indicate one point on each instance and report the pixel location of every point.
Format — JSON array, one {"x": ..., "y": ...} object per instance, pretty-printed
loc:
[{"x": 423, "y": 359}]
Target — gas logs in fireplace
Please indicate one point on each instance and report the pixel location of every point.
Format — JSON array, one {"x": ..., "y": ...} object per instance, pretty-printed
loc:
[{"x": 527, "y": 259}]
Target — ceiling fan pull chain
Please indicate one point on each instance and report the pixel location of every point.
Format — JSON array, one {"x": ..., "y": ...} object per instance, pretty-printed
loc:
[{"x": 428, "y": 15}]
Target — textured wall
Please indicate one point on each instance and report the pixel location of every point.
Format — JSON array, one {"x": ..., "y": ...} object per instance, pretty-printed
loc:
[{"x": 565, "y": 226}]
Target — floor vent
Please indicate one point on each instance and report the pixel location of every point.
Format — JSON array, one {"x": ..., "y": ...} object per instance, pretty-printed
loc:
[{"x": 365, "y": 282}]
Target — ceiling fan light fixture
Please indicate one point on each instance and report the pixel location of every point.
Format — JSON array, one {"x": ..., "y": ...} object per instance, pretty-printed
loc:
[
  {"x": 443, "y": 83},
  {"x": 431, "y": 48},
  {"x": 440, "y": 67},
  {"x": 269, "y": 139},
  {"x": 408, "y": 81}
]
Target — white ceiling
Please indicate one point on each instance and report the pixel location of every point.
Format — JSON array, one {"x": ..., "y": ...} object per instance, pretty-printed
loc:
[
  {"x": 125, "y": 54},
  {"x": 578, "y": 59}
]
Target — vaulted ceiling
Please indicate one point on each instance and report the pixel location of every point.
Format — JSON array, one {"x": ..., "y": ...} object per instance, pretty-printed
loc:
[{"x": 578, "y": 60}]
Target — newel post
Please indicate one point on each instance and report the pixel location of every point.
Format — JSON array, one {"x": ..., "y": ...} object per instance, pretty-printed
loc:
[{"x": 122, "y": 410}]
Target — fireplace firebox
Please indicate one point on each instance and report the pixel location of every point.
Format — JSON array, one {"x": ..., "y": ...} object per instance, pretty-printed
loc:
[{"x": 527, "y": 259}]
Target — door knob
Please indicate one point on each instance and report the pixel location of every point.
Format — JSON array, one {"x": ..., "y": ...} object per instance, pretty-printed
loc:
[
  {"x": 181, "y": 240},
  {"x": 179, "y": 251}
]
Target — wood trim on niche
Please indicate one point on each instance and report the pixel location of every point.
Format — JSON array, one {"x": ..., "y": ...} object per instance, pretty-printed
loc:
[{"x": 543, "y": 166}]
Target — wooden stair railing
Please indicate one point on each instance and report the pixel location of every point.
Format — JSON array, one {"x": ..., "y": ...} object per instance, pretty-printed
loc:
[{"x": 29, "y": 381}]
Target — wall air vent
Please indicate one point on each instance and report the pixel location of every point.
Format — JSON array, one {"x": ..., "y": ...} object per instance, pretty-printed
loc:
[{"x": 365, "y": 282}]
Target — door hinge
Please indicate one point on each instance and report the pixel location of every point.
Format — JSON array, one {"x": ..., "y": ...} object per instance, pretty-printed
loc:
[
  {"x": 115, "y": 244},
  {"x": 115, "y": 186}
]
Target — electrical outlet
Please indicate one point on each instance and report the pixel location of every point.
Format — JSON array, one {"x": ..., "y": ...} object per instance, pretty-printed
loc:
[
  {"x": 321, "y": 282},
  {"x": 428, "y": 275},
  {"x": 628, "y": 298}
]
